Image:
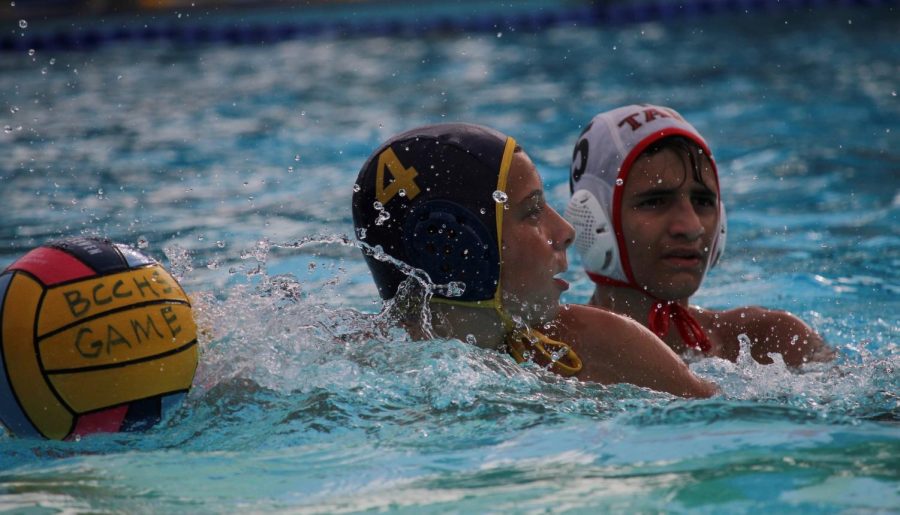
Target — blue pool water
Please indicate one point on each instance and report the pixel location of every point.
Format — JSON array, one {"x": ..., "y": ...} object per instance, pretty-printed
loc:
[{"x": 234, "y": 166}]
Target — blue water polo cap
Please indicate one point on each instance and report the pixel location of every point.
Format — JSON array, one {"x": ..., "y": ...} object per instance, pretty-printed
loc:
[{"x": 426, "y": 197}]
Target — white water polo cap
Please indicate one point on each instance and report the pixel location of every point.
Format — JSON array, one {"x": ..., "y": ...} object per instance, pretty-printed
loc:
[{"x": 601, "y": 161}]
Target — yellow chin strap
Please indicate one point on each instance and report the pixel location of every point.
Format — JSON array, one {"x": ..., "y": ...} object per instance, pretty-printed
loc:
[
  {"x": 521, "y": 344},
  {"x": 532, "y": 345}
]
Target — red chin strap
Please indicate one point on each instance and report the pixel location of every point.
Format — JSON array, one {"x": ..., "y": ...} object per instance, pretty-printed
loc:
[
  {"x": 688, "y": 327},
  {"x": 664, "y": 311}
]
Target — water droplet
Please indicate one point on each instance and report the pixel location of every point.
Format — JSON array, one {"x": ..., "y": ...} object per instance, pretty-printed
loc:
[
  {"x": 30, "y": 51},
  {"x": 52, "y": 61},
  {"x": 743, "y": 315},
  {"x": 23, "y": 24},
  {"x": 402, "y": 192},
  {"x": 383, "y": 216},
  {"x": 142, "y": 242},
  {"x": 471, "y": 340},
  {"x": 220, "y": 244},
  {"x": 619, "y": 182},
  {"x": 378, "y": 206},
  {"x": 297, "y": 157},
  {"x": 499, "y": 34},
  {"x": 500, "y": 196},
  {"x": 794, "y": 339},
  {"x": 361, "y": 233},
  {"x": 356, "y": 188},
  {"x": 483, "y": 211},
  {"x": 7, "y": 129},
  {"x": 290, "y": 169},
  {"x": 456, "y": 288}
]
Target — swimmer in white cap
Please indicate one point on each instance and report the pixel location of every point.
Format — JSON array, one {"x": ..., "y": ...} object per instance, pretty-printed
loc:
[
  {"x": 650, "y": 222},
  {"x": 464, "y": 204}
]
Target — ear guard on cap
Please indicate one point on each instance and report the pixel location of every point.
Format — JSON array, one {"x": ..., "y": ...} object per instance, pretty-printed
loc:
[
  {"x": 594, "y": 235},
  {"x": 449, "y": 243}
]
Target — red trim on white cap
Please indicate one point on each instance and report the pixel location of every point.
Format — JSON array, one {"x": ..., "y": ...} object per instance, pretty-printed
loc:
[{"x": 625, "y": 169}]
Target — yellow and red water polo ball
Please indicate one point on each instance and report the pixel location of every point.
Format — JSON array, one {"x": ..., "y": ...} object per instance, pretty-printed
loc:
[{"x": 94, "y": 337}]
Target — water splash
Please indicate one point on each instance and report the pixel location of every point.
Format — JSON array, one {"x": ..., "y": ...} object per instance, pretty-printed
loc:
[
  {"x": 863, "y": 385},
  {"x": 180, "y": 261},
  {"x": 270, "y": 330}
]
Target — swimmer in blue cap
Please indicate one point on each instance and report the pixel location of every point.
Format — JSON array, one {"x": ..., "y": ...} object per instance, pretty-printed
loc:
[
  {"x": 650, "y": 222},
  {"x": 464, "y": 204}
]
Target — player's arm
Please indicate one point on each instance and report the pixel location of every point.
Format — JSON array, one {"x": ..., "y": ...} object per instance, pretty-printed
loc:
[
  {"x": 781, "y": 332},
  {"x": 616, "y": 349}
]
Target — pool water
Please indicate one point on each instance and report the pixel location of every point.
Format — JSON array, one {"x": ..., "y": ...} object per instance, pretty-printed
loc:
[{"x": 234, "y": 166}]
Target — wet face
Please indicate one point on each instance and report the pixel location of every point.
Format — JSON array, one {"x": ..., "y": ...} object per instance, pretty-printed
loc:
[
  {"x": 669, "y": 221},
  {"x": 535, "y": 239}
]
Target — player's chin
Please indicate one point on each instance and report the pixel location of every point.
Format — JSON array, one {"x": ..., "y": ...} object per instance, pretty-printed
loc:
[{"x": 677, "y": 290}]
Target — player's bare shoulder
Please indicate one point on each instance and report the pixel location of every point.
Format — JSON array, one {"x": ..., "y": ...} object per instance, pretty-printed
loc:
[
  {"x": 600, "y": 337},
  {"x": 579, "y": 321}
]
